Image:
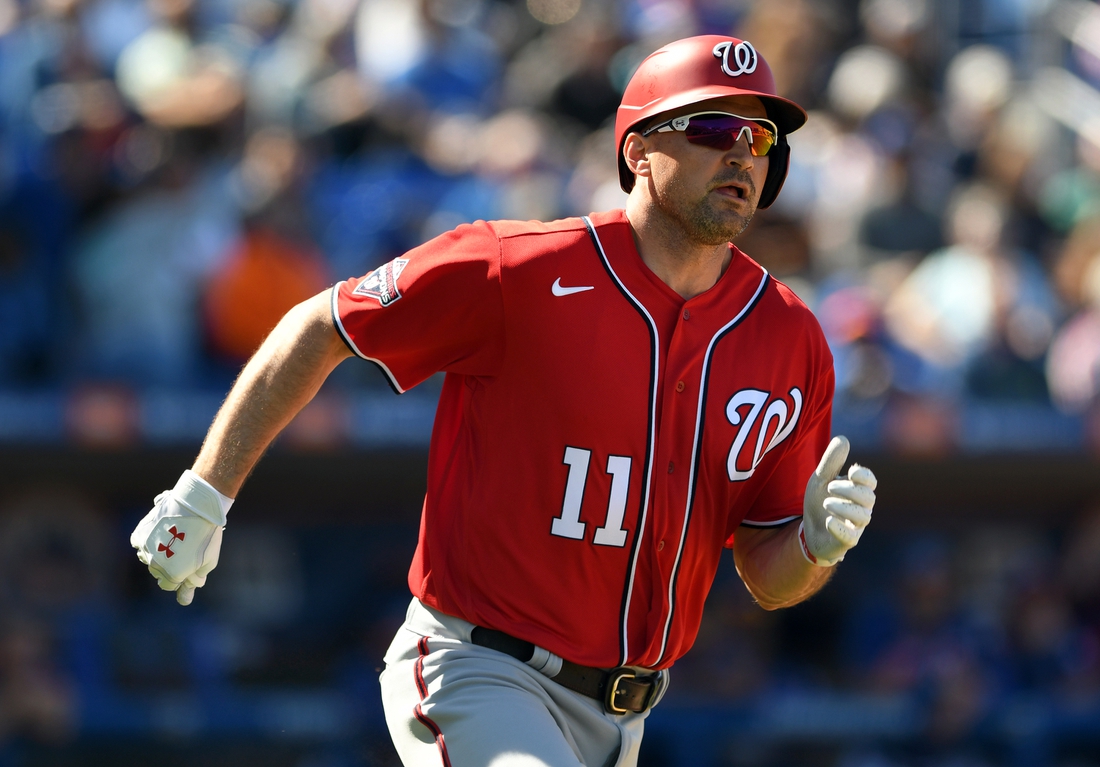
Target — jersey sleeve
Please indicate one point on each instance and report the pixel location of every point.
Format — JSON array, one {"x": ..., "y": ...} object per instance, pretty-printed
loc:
[
  {"x": 437, "y": 308},
  {"x": 780, "y": 499}
]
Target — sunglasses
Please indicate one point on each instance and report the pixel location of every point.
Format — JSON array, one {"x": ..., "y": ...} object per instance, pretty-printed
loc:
[{"x": 721, "y": 130}]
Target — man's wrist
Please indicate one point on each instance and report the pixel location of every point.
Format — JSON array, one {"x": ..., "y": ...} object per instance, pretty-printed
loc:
[
  {"x": 808, "y": 555},
  {"x": 201, "y": 498}
]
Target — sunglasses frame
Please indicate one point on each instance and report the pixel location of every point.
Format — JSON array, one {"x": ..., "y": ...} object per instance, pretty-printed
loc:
[{"x": 681, "y": 124}]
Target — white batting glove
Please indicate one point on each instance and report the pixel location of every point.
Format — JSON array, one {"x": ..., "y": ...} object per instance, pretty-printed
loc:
[
  {"x": 835, "y": 511},
  {"x": 181, "y": 538}
]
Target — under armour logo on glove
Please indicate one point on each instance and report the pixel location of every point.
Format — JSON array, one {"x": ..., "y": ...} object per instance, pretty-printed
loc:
[
  {"x": 176, "y": 535},
  {"x": 180, "y": 538}
]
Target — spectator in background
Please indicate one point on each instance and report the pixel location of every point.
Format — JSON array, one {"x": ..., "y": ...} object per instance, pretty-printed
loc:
[
  {"x": 1080, "y": 580},
  {"x": 975, "y": 304},
  {"x": 54, "y": 563},
  {"x": 733, "y": 657},
  {"x": 175, "y": 79},
  {"x": 25, "y": 306},
  {"x": 59, "y": 115},
  {"x": 503, "y": 172},
  {"x": 1070, "y": 196},
  {"x": 1073, "y": 366},
  {"x": 1051, "y": 652},
  {"x": 264, "y": 275},
  {"x": 274, "y": 265},
  {"x": 37, "y": 702},
  {"x": 137, "y": 273},
  {"x": 53, "y": 555},
  {"x": 430, "y": 54},
  {"x": 930, "y": 649}
]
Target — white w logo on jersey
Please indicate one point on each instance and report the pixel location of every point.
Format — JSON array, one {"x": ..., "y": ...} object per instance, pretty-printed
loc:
[{"x": 777, "y": 411}]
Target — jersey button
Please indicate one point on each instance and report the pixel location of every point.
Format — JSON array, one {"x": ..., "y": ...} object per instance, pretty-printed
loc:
[
  {"x": 687, "y": 314},
  {"x": 679, "y": 386},
  {"x": 670, "y": 467},
  {"x": 661, "y": 546}
]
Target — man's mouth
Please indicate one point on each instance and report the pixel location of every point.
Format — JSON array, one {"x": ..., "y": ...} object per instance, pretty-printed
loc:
[{"x": 735, "y": 189}]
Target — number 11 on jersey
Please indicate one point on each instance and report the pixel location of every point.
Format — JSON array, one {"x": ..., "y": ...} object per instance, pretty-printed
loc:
[{"x": 569, "y": 524}]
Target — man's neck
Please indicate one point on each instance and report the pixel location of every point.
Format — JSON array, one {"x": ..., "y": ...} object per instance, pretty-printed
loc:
[{"x": 689, "y": 268}]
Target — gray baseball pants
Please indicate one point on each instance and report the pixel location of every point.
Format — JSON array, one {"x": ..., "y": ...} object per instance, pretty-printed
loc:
[{"x": 451, "y": 703}]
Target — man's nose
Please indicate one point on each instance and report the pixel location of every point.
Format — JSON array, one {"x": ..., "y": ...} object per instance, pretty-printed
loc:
[{"x": 740, "y": 153}]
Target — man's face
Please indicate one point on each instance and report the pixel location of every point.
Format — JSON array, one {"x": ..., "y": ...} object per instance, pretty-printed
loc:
[{"x": 711, "y": 194}]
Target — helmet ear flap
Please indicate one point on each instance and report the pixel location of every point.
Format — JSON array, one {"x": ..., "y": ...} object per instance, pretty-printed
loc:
[{"x": 779, "y": 160}]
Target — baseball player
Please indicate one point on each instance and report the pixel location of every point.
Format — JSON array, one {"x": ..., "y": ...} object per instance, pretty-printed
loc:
[{"x": 626, "y": 394}]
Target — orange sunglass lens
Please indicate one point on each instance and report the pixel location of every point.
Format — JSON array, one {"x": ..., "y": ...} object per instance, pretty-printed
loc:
[{"x": 721, "y": 132}]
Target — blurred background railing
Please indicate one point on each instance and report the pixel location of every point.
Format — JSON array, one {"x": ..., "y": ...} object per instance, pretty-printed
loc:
[{"x": 175, "y": 174}]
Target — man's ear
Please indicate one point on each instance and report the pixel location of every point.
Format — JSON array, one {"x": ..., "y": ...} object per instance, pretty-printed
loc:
[{"x": 636, "y": 154}]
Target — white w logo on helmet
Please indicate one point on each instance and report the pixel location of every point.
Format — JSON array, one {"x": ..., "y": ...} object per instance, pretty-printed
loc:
[{"x": 744, "y": 56}]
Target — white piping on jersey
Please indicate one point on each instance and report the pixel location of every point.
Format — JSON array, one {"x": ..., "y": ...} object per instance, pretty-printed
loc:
[
  {"x": 772, "y": 523},
  {"x": 652, "y": 436},
  {"x": 694, "y": 451},
  {"x": 344, "y": 334}
]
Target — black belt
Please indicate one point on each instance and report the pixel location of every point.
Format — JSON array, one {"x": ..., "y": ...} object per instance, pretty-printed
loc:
[{"x": 620, "y": 689}]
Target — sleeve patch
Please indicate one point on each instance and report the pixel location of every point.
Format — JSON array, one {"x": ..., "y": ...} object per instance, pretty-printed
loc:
[{"x": 381, "y": 284}]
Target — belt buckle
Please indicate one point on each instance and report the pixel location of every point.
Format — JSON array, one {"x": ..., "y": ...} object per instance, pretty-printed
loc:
[{"x": 614, "y": 677}]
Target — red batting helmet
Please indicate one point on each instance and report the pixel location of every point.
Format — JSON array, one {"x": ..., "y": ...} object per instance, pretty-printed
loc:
[{"x": 699, "y": 68}]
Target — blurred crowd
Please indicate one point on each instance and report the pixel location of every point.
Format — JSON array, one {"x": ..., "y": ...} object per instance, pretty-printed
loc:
[
  {"x": 977, "y": 645},
  {"x": 990, "y": 634},
  {"x": 174, "y": 174}
]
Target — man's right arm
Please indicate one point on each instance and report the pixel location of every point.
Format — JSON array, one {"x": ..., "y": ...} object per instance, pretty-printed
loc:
[
  {"x": 180, "y": 539},
  {"x": 281, "y": 378}
]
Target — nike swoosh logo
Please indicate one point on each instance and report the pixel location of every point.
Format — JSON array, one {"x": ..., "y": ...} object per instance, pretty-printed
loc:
[{"x": 558, "y": 290}]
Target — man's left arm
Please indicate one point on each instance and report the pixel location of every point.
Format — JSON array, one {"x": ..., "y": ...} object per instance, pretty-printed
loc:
[{"x": 786, "y": 565}]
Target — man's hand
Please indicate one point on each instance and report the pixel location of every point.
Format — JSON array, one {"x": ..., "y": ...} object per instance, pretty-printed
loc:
[
  {"x": 835, "y": 511},
  {"x": 180, "y": 539}
]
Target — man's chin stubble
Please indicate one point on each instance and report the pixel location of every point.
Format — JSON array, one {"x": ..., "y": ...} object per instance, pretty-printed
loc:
[
  {"x": 701, "y": 222},
  {"x": 708, "y": 228}
]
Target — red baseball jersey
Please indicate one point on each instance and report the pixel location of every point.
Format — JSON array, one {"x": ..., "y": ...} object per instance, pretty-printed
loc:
[{"x": 598, "y": 438}]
